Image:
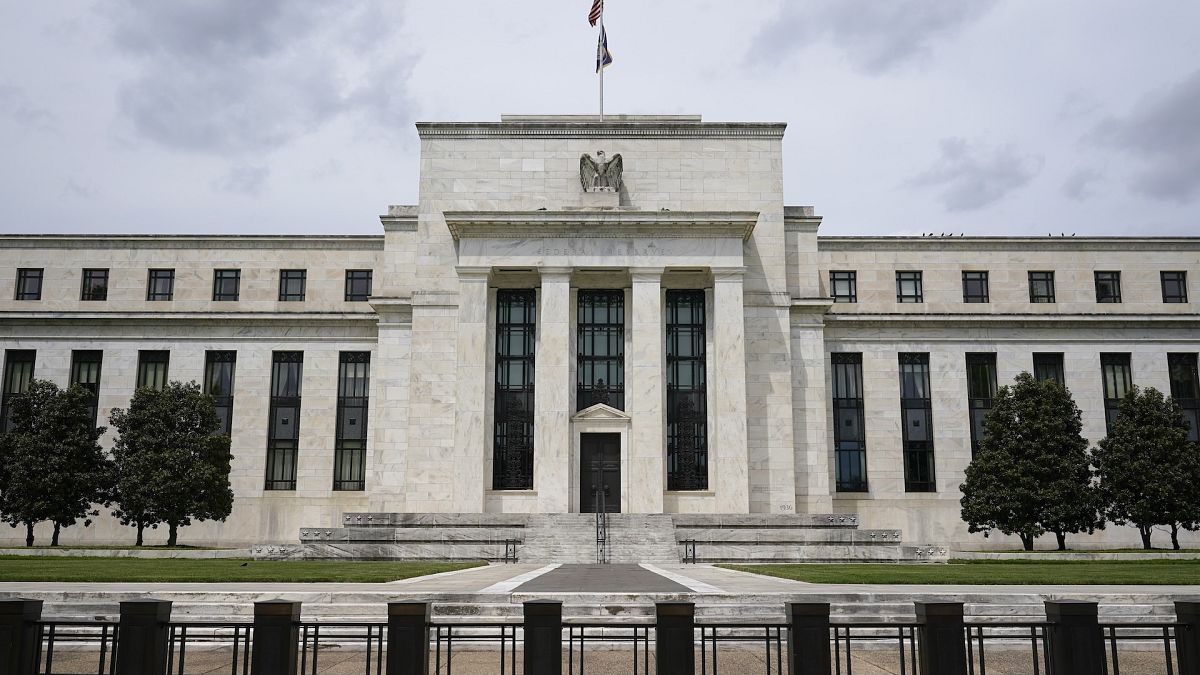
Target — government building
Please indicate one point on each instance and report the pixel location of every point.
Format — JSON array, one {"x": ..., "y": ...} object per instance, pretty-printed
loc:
[{"x": 618, "y": 315}]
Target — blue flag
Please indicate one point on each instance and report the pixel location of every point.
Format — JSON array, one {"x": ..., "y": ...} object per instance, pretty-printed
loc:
[{"x": 603, "y": 56}]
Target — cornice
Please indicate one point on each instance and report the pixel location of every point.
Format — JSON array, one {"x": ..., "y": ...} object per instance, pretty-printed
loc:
[
  {"x": 1055, "y": 243},
  {"x": 600, "y": 224},
  {"x": 400, "y": 218},
  {"x": 1015, "y": 319},
  {"x": 365, "y": 242},
  {"x": 238, "y": 318},
  {"x": 590, "y": 129}
]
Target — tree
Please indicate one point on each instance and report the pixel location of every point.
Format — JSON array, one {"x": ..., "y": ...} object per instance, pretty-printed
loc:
[
  {"x": 55, "y": 468},
  {"x": 171, "y": 465},
  {"x": 1148, "y": 470},
  {"x": 1032, "y": 472}
]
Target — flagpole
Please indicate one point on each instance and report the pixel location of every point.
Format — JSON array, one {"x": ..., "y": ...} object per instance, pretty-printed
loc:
[{"x": 601, "y": 57}]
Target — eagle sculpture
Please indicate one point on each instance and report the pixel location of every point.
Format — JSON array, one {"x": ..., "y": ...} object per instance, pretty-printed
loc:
[{"x": 599, "y": 175}]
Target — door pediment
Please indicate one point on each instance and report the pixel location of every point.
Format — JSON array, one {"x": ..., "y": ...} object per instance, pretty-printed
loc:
[{"x": 600, "y": 412}]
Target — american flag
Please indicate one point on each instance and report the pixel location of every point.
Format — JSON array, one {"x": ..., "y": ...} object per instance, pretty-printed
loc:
[{"x": 597, "y": 10}]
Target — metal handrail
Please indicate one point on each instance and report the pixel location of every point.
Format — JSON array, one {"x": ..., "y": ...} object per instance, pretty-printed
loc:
[{"x": 601, "y": 528}]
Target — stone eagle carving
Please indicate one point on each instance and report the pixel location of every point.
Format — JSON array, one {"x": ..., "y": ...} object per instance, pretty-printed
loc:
[{"x": 600, "y": 175}]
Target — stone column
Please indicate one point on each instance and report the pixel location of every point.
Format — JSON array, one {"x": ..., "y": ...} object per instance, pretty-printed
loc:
[
  {"x": 645, "y": 395},
  {"x": 552, "y": 393},
  {"x": 810, "y": 411},
  {"x": 470, "y": 436},
  {"x": 388, "y": 417},
  {"x": 729, "y": 472}
]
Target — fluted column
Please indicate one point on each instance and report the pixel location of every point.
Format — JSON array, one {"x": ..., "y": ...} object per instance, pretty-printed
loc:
[
  {"x": 471, "y": 439},
  {"x": 729, "y": 459},
  {"x": 645, "y": 398},
  {"x": 552, "y": 393}
]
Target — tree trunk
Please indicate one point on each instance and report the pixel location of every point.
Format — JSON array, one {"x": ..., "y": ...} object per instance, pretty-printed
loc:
[
  {"x": 1175, "y": 536},
  {"x": 1062, "y": 540},
  {"x": 1027, "y": 541},
  {"x": 54, "y": 539},
  {"x": 172, "y": 537},
  {"x": 28, "y": 534},
  {"x": 1145, "y": 531},
  {"x": 140, "y": 527}
]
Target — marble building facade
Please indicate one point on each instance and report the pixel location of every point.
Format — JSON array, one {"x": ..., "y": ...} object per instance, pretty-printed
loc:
[{"x": 734, "y": 335}]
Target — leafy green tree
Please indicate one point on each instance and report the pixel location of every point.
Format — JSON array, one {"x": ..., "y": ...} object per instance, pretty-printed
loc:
[
  {"x": 1148, "y": 470},
  {"x": 171, "y": 465},
  {"x": 54, "y": 467},
  {"x": 1032, "y": 473}
]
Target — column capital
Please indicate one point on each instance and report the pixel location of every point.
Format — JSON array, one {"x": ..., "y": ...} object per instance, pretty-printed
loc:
[
  {"x": 728, "y": 274},
  {"x": 555, "y": 273},
  {"x": 646, "y": 274},
  {"x": 473, "y": 272}
]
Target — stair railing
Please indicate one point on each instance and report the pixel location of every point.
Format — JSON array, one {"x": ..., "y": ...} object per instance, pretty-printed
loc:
[{"x": 601, "y": 527}]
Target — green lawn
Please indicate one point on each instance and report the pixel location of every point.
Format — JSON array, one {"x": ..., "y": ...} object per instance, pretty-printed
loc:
[
  {"x": 19, "y": 568},
  {"x": 991, "y": 572}
]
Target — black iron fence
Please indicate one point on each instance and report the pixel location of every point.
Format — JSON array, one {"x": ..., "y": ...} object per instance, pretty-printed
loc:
[{"x": 145, "y": 641}]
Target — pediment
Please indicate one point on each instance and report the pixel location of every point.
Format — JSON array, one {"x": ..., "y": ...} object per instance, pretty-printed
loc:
[{"x": 600, "y": 411}]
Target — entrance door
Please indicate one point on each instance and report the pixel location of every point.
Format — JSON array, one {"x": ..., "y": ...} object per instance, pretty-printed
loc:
[{"x": 600, "y": 472}]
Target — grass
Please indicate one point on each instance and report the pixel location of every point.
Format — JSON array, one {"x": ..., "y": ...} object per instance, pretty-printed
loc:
[
  {"x": 112, "y": 570},
  {"x": 1096, "y": 550},
  {"x": 1122, "y": 572},
  {"x": 119, "y": 547}
]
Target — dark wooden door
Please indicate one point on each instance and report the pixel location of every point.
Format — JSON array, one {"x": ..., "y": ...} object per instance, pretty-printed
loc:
[{"x": 600, "y": 472}]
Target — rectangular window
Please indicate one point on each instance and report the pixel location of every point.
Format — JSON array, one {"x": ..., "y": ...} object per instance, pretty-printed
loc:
[
  {"x": 849, "y": 423},
  {"x": 916, "y": 412},
  {"x": 512, "y": 439},
  {"x": 29, "y": 284},
  {"x": 85, "y": 371},
  {"x": 1118, "y": 379},
  {"x": 843, "y": 286},
  {"x": 358, "y": 285},
  {"x": 350, "y": 451},
  {"x": 226, "y": 285},
  {"x": 1041, "y": 287},
  {"x": 18, "y": 373},
  {"x": 1185, "y": 389},
  {"x": 975, "y": 286},
  {"x": 981, "y": 389},
  {"x": 160, "y": 285},
  {"x": 95, "y": 285},
  {"x": 1049, "y": 366},
  {"x": 687, "y": 387},
  {"x": 1174, "y": 286},
  {"x": 283, "y": 432},
  {"x": 1108, "y": 286},
  {"x": 601, "y": 349},
  {"x": 291, "y": 285},
  {"x": 909, "y": 287},
  {"x": 152, "y": 368},
  {"x": 218, "y": 383}
]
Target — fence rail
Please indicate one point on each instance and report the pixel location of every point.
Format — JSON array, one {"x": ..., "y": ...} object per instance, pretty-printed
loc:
[{"x": 1071, "y": 641}]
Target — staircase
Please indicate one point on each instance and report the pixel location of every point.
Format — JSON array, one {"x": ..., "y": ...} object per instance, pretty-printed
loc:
[{"x": 571, "y": 538}]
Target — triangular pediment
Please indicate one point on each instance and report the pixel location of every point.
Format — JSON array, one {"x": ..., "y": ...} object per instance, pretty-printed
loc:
[{"x": 600, "y": 411}]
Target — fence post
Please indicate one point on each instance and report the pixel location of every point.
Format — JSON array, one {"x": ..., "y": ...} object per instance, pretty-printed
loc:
[
  {"x": 543, "y": 637},
  {"x": 20, "y": 639},
  {"x": 276, "y": 638},
  {"x": 808, "y": 639},
  {"x": 1187, "y": 637},
  {"x": 941, "y": 638},
  {"x": 408, "y": 638},
  {"x": 675, "y": 638},
  {"x": 142, "y": 637},
  {"x": 1076, "y": 642}
]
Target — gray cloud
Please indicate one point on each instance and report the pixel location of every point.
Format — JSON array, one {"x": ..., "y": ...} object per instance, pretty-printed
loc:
[
  {"x": 972, "y": 177},
  {"x": 1162, "y": 135},
  {"x": 243, "y": 179},
  {"x": 232, "y": 77},
  {"x": 1079, "y": 184},
  {"x": 16, "y": 105},
  {"x": 876, "y": 36}
]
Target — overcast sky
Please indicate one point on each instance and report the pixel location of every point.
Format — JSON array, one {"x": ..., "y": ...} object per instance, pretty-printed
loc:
[{"x": 976, "y": 116}]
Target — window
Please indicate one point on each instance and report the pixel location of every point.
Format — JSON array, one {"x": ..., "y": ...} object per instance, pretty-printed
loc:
[
  {"x": 152, "y": 369},
  {"x": 283, "y": 434},
  {"x": 29, "y": 284},
  {"x": 18, "y": 373},
  {"x": 95, "y": 285},
  {"x": 358, "y": 285},
  {"x": 981, "y": 389},
  {"x": 849, "y": 425},
  {"x": 350, "y": 451},
  {"x": 1108, "y": 286},
  {"x": 843, "y": 286},
  {"x": 1117, "y": 382},
  {"x": 601, "y": 349},
  {"x": 1049, "y": 366},
  {"x": 1185, "y": 389},
  {"x": 226, "y": 285},
  {"x": 916, "y": 413},
  {"x": 687, "y": 387},
  {"x": 160, "y": 285},
  {"x": 291, "y": 285},
  {"x": 908, "y": 287},
  {"x": 1174, "y": 286},
  {"x": 1041, "y": 287},
  {"x": 218, "y": 383},
  {"x": 512, "y": 440},
  {"x": 85, "y": 371},
  {"x": 975, "y": 286}
]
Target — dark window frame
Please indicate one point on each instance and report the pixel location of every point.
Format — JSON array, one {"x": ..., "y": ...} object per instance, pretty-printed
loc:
[
  {"x": 1179, "y": 293},
  {"x": 687, "y": 390},
  {"x": 1049, "y": 366},
  {"x": 1108, "y": 286},
  {"x": 219, "y": 382},
  {"x": 981, "y": 393},
  {"x": 221, "y": 277},
  {"x": 160, "y": 275},
  {"x": 1116, "y": 375},
  {"x": 30, "y": 281},
  {"x": 1182, "y": 369},
  {"x": 82, "y": 373},
  {"x": 600, "y": 377},
  {"x": 848, "y": 277},
  {"x": 287, "y": 293},
  {"x": 18, "y": 373},
  {"x": 975, "y": 286},
  {"x": 89, "y": 290},
  {"x": 916, "y": 405},
  {"x": 148, "y": 374},
  {"x": 513, "y": 399},
  {"x": 351, "y": 434},
  {"x": 917, "y": 279},
  {"x": 1046, "y": 293},
  {"x": 283, "y": 445},
  {"x": 849, "y": 448},
  {"x": 354, "y": 277}
]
